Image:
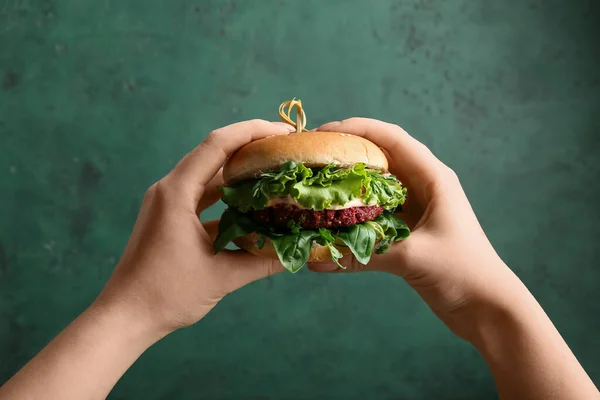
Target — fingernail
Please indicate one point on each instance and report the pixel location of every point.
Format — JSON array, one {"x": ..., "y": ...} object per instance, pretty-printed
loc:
[
  {"x": 329, "y": 126},
  {"x": 283, "y": 125}
]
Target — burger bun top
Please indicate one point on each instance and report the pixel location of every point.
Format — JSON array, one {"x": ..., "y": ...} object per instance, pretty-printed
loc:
[{"x": 313, "y": 149}]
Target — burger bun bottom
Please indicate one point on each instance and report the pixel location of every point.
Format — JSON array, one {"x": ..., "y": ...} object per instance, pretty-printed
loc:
[{"x": 318, "y": 253}]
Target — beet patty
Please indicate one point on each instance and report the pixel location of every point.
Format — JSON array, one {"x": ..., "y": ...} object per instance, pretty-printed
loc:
[{"x": 280, "y": 214}]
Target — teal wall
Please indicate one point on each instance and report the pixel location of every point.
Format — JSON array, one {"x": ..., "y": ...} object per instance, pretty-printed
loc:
[{"x": 98, "y": 99}]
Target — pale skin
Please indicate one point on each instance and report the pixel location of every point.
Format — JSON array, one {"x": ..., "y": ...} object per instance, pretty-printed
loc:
[{"x": 168, "y": 278}]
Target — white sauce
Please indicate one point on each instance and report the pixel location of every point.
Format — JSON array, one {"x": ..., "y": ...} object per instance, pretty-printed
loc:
[{"x": 291, "y": 201}]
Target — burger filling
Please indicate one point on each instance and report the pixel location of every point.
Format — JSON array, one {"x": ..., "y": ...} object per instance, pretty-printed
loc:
[
  {"x": 298, "y": 206},
  {"x": 281, "y": 215}
]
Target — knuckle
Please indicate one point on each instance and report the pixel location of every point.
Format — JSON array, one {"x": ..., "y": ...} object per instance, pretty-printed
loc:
[
  {"x": 451, "y": 175},
  {"x": 445, "y": 182},
  {"x": 215, "y": 141},
  {"x": 163, "y": 189},
  {"x": 423, "y": 147},
  {"x": 213, "y": 136},
  {"x": 150, "y": 192},
  {"x": 160, "y": 194},
  {"x": 273, "y": 267}
]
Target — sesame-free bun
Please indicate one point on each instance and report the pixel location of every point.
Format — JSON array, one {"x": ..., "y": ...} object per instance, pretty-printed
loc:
[
  {"x": 318, "y": 253},
  {"x": 313, "y": 149}
]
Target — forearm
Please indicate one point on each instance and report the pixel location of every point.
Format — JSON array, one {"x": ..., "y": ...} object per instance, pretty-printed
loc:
[
  {"x": 85, "y": 360},
  {"x": 526, "y": 355}
]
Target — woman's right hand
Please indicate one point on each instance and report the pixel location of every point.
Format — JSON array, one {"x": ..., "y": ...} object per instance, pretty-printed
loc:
[{"x": 447, "y": 259}]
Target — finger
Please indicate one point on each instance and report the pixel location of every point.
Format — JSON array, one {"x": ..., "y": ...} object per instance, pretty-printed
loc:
[
  {"x": 349, "y": 262},
  {"x": 284, "y": 125},
  {"x": 212, "y": 194},
  {"x": 411, "y": 213},
  {"x": 330, "y": 126},
  {"x": 247, "y": 267},
  {"x": 325, "y": 266},
  {"x": 244, "y": 268},
  {"x": 415, "y": 164},
  {"x": 196, "y": 169},
  {"x": 211, "y": 228},
  {"x": 393, "y": 261}
]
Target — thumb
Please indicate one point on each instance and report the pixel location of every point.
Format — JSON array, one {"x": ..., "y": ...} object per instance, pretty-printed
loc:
[
  {"x": 349, "y": 263},
  {"x": 391, "y": 262},
  {"x": 244, "y": 268}
]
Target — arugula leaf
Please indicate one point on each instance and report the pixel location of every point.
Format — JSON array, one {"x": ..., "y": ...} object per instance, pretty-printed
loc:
[
  {"x": 317, "y": 188},
  {"x": 335, "y": 255},
  {"x": 327, "y": 239},
  {"x": 360, "y": 239},
  {"x": 326, "y": 235}
]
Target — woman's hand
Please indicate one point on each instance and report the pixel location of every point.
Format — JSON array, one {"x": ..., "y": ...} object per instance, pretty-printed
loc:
[
  {"x": 447, "y": 259},
  {"x": 168, "y": 272},
  {"x": 451, "y": 264},
  {"x": 167, "y": 278}
]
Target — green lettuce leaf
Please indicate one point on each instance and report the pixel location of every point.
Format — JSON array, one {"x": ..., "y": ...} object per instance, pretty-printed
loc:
[
  {"x": 242, "y": 197},
  {"x": 317, "y": 189}
]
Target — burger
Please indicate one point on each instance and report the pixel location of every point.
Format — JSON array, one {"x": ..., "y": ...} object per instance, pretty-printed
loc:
[{"x": 311, "y": 197}]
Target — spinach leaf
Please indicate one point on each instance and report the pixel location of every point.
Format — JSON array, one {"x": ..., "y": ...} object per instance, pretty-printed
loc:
[
  {"x": 293, "y": 249},
  {"x": 394, "y": 228},
  {"x": 294, "y": 244},
  {"x": 231, "y": 226},
  {"x": 361, "y": 241}
]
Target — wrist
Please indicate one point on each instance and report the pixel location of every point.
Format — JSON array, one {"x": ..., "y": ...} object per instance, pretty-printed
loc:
[
  {"x": 496, "y": 300},
  {"x": 130, "y": 323},
  {"x": 500, "y": 314},
  {"x": 525, "y": 353}
]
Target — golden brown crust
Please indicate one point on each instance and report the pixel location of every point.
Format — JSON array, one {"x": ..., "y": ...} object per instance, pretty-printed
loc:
[
  {"x": 314, "y": 149},
  {"x": 317, "y": 254}
]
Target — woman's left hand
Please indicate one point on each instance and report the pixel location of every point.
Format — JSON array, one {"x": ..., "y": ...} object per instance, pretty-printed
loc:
[
  {"x": 168, "y": 273},
  {"x": 168, "y": 278}
]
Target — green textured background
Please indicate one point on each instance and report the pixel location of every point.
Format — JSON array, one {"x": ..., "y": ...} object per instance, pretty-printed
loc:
[{"x": 98, "y": 99}]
